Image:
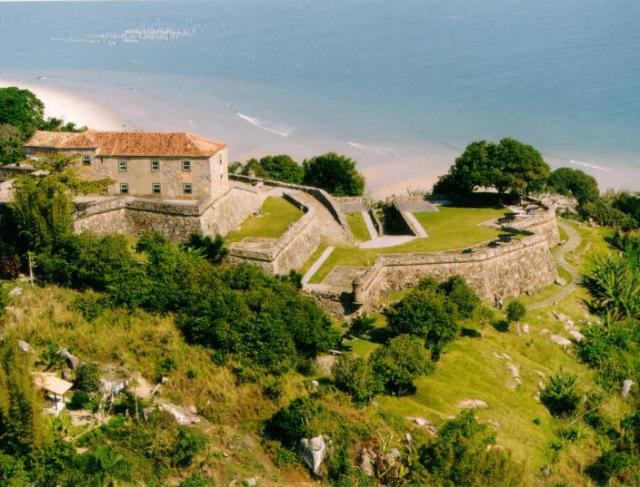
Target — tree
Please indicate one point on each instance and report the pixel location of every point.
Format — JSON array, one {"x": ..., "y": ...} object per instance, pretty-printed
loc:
[
  {"x": 280, "y": 167},
  {"x": 506, "y": 166},
  {"x": 88, "y": 378},
  {"x": 11, "y": 144},
  {"x": 427, "y": 314},
  {"x": 515, "y": 311},
  {"x": 560, "y": 396},
  {"x": 213, "y": 250},
  {"x": 334, "y": 173},
  {"x": 460, "y": 294},
  {"x": 21, "y": 431},
  {"x": 355, "y": 377},
  {"x": 300, "y": 419},
  {"x": 574, "y": 182},
  {"x": 22, "y": 109},
  {"x": 397, "y": 364},
  {"x": 462, "y": 454}
]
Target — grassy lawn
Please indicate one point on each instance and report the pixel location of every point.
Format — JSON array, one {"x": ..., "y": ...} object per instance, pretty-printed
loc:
[
  {"x": 276, "y": 215},
  {"x": 475, "y": 368},
  {"x": 358, "y": 227},
  {"x": 448, "y": 229}
]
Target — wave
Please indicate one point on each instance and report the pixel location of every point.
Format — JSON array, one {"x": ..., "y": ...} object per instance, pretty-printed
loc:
[
  {"x": 368, "y": 148},
  {"x": 589, "y": 165},
  {"x": 281, "y": 130}
]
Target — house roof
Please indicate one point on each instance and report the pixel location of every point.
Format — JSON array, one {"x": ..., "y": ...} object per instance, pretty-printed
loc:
[
  {"x": 141, "y": 144},
  {"x": 49, "y": 382}
]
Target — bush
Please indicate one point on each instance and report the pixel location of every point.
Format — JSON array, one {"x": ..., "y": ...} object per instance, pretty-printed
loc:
[
  {"x": 300, "y": 419},
  {"x": 574, "y": 182},
  {"x": 460, "y": 295},
  {"x": 189, "y": 442},
  {"x": 399, "y": 363},
  {"x": 354, "y": 376},
  {"x": 560, "y": 396},
  {"x": 361, "y": 325},
  {"x": 79, "y": 400},
  {"x": 462, "y": 454},
  {"x": 334, "y": 173},
  {"x": 515, "y": 311},
  {"x": 88, "y": 378}
]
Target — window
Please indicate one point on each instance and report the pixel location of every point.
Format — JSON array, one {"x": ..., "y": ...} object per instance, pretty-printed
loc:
[
  {"x": 155, "y": 166},
  {"x": 122, "y": 165},
  {"x": 186, "y": 166},
  {"x": 86, "y": 160},
  {"x": 187, "y": 188},
  {"x": 155, "y": 188},
  {"x": 124, "y": 187}
]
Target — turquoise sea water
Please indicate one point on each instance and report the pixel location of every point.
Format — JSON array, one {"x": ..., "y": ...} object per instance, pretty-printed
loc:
[{"x": 382, "y": 80}]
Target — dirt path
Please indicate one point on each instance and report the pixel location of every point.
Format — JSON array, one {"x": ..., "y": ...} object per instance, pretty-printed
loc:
[{"x": 571, "y": 245}]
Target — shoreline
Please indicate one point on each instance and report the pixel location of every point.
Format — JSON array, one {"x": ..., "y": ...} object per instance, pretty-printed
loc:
[{"x": 394, "y": 171}]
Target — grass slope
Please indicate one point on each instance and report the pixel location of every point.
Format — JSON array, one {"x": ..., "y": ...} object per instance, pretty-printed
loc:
[
  {"x": 276, "y": 215},
  {"x": 358, "y": 226}
]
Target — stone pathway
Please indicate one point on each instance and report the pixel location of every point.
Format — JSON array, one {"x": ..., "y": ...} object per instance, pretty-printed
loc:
[
  {"x": 386, "y": 241},
  {"x": 317, "y": 264},
  {"x": 571, "y": 245}
]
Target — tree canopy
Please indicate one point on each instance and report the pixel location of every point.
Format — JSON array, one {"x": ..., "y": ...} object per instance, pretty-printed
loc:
[
  {"x": 508, "y": 166},
  {"x": 574, "y": 182},
  {"x": 334, "y": 173},
  {"x": 22, "y": 109},
  {"x": 279, "y": 167}
]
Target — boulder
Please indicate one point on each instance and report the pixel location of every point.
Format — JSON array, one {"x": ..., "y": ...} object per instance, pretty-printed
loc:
[
  {"x": 366, "y": 462},
  {"x": 25, "y": 347},
  {"x": 16, "y": 291},
  {"x": 72, "y": 360},
  {"x": 577, "y": 336},
  {"x": 313, "y": 452},
  {"x": 472, "y": 404},
  {"x": 560, "y": 281},
  {"x": 560, "y": 340},
  {"x": 525, "y": 328},
  {"x": 626, "y": 387}
]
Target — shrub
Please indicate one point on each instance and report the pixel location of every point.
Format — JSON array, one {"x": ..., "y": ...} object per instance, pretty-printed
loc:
[
  {"x": 399, "y": 363},
  {"x": 574, "y": 182},
  {"x": 79, "y": 400},
  {"x": 460, "y": 295},
  {"x": 189, "y": 442},
  {"x": 560, "y": 396},
  {"x": 88, "y": 378},
  {"x": 300, "y": 419},
  {"x": 354, "y": 376},
  {"x": 361, "y": 325},
  {"x": 515, "y": 311}
]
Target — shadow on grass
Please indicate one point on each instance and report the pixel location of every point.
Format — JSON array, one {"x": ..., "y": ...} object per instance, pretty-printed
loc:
[{"x": 501, "y": 325}]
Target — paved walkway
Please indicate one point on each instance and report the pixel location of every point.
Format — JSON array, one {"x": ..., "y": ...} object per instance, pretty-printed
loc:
[
  {"x": 570, "y": 246},
  {"x": 316, "y": 265}
]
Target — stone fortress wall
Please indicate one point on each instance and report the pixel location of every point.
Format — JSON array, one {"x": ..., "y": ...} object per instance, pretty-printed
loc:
[{"x": 510, "y": 269}]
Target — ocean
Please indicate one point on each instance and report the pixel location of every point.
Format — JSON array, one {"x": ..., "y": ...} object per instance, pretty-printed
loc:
[{"x": 401, "y": 86}]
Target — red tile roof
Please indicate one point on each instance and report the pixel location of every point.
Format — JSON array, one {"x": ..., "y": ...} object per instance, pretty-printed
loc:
[{"x": 142, "y": 144}]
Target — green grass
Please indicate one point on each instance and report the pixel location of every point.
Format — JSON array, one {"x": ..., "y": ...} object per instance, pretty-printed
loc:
[
  {"x": 276, "y": 215},
  {"x": 448, "y": 229},
  {"x": 358, "y": 226},
  {"x": 315, "y": 256}
]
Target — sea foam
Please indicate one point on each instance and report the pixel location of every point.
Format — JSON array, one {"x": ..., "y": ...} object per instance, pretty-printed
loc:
[
  {"x": 281, "y": 130},
  {"x": 589, "y": 165}
]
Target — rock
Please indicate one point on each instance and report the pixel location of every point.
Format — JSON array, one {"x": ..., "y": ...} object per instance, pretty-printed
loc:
[
  {"x": 560, "y": 340},
  {"x": 626, "y": 387},
  {"x": 16, "y": 291},
  {"x": 313, "y": 452},
  {"x": 393, "y": 455},
  {"x": 472, "y": 404},
  {"x": 418, "y": 420},
  {"x": 560, "y": 281},
  {"x": 577, "y": 336},
  {"x": 408, "y": 439},
  {"x": 67, "y": 374},
  {"x": 250, "y": 482},
  {"x": 72, "y": 360},
  {"x": 366, "y": 462},
  {"x": 25, "y": 347},
  {"x": 525, "y": 328},
  {"x": 544, "y": 331}
]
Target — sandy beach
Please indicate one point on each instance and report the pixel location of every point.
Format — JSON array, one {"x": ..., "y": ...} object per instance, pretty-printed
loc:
[{"x": 72, "y": 108}]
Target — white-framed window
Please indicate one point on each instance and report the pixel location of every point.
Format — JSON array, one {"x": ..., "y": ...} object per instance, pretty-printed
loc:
[
  {"x": 86, "y": 160},
  {"x": 122, "y": 166},
  {"x": 155, "y": 188},
  {"x": 187, "y": 188},
  {"x": 155, "y": 166},
  {"x": 124, "y": 187},
  {"x": 186, "y": 166}
]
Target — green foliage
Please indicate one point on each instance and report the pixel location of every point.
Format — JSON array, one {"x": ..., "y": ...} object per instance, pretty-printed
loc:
[
  {"x": 213, "y": 250},
  {"x": 397, "y": 364},
  {"x": 354, "y": 376},
  {"x": 361, "y": 325},
  {"x": 300, "y": 419},
  {"x": 516, "y": 311},
  {"x": 22, "y": 109},
  {"x": 79, "y": 400},
  {"x": 21, "y": 432},
  {"x": 508, "y": 165},
  {"x": 603, "y": 213},
  {"x": 560, "y": 395},
  {"x": 334, "y": 173},
  {"x": 11, "y": 144},
  {"x": 574, "y": 182},
  {"x": 431, "y": 311},
  {"x": 88, "y": 378},
  {"x": 464, "y": 453},
  {"x": 280, "y": 168}
]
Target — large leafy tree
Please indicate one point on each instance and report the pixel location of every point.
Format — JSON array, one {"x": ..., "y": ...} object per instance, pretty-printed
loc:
[
  {"x": 11, "y": 144},
  {"x": 22, "y": 109},
  {"x": 574, "y": 182},
  {"x": 334, "y": 173},
  {"x": 280, "y": 167},
  {"x": 508, "y": 166}
]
